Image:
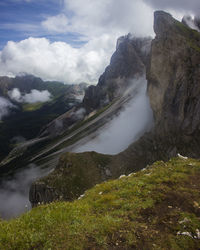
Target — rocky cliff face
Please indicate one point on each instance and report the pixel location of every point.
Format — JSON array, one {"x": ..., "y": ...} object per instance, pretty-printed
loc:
[
  {"x": 70, "y": 180},
  {"x": 128, "y": 62},
  {"x": 173, "y": 75}
]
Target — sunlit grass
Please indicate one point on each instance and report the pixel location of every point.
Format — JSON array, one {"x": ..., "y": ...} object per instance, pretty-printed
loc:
[
  {"x": 32, "y": 106},
  {"x": 130, "y": 212}
]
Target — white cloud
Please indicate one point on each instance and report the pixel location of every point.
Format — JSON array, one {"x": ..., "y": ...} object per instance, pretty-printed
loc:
[
  {"x": 14, "y": 194},
  {"x": 92, "y": 18},
  {"x": 5, "y": 106},
  {"x": 58, "y": 60},
  {"x": 37, "y": 96},
  {"x": 125, "y": 128},
  {"x": 15, "y": 94},
  {"x": 98, "y": 23},
  {"x": 32, "y": 97},
  {"x": 185, "y": 6},
  {"x": 57, "y": 24},
  {"x": 79, "y": 114},
  {"x": 189, "y": 20}
]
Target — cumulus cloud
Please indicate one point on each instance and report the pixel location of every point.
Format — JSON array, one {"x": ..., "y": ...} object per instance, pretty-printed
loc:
[
  {"x": 56, "y": 24},
  {"x": 37, "y": 96},
  {"x": 192, "y": 6},
  {"x": 57, "y": 60},
  {"x": 5, "y": 106},
  {"x": 125, "y": 128},
  {"x": 93, "y": 18},
  {"x": 32, "y": 97},
  {"x": 15, "y": 95},
  {"x": 96, "y": 23}
]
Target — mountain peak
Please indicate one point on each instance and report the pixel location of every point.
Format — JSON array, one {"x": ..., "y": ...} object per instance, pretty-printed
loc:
[{"x": 163, "y": 22}]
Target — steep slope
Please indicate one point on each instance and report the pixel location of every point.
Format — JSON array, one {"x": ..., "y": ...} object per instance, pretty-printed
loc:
[
  {"x": 130, "y": 59},
  {"x": 173, "y": 87},
  {"x": 25, "y": 120},
  {"x": 157, "y": 208},
  {"x": 128, "y": 62},
  {"x": 76, "y": 127},
  {"x": 173, "y": 75}
]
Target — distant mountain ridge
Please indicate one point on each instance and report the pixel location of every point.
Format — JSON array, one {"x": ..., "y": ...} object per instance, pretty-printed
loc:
[
  {"x": 26, "y": 83},
  {"x": 27, "y": 120}
]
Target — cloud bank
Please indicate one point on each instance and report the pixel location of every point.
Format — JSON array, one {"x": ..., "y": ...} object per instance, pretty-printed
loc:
[
  {"x": 95, "y": 25},
  {"x": 58, "y": 60},
  {"x": 185, "y": 6},
  {"x": 125, "y": 128},
  {"x": 5, "y": 106},
  {"x": 93, "y": 18},
  {"x": 32, "y": 97},
  {"x": 14, "y": 194}
]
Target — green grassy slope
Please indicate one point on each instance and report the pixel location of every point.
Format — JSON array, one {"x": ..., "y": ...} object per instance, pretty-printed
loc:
[{"x": 157, "y": 208}]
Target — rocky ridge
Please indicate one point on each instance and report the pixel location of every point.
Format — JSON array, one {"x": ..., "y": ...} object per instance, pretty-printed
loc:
[
  {"x": 129, "y": 61},
  {"x": 173, "y": 75}
]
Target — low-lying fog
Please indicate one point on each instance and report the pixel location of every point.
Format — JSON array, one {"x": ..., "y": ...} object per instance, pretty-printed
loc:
[
  {"x": 133, "y": 120},
  {"x": 125, "y": 128},
  {"x": 14, "y": 193}
]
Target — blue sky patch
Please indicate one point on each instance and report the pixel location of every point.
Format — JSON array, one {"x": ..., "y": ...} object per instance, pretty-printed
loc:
[{"x": 22, "y": 19}]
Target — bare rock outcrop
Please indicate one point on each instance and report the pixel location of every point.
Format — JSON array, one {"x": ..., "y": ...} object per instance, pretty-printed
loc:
[
  {"x": 129, "y": 61},
  {"x": 174, "y": 76}
]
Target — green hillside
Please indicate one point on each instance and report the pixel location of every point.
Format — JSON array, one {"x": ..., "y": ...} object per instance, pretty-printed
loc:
[{"x": 156, "y": 208}]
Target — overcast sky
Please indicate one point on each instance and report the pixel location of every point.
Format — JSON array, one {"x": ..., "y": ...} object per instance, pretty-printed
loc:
[{"x": 72, "y": 40}]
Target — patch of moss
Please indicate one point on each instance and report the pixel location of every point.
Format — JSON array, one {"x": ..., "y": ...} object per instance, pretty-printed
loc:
[
  {"x": 194, "y": 46},
  {"x": 32, "y": 106},
  {"x": 192, "y": 36},
  {"x": 146, "y": 210},
  {"x": 76, "y": 173},
  {"x": 186, "y": 31}
]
